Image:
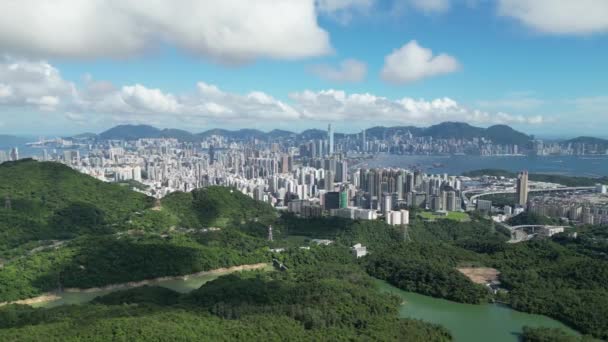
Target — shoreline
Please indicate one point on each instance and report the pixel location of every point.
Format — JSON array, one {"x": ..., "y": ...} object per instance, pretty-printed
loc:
[{"x": 55, "y": 295}]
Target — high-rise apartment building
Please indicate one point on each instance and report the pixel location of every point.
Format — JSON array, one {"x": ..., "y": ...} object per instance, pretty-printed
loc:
[
  {"x": 363, "y": 141},
  {"x": 522, "y": 188},
  {"x": 330, "y": 134}
]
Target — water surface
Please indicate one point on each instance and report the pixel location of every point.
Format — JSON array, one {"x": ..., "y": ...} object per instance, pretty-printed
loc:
[
  {"x": 467, "y": 322},
  {"x": 587, "y": 166},
  {"x": 179, "y": 285}
]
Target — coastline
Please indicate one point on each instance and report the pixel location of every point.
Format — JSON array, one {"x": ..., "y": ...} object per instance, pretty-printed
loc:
[{"x": 55, "y": 295}]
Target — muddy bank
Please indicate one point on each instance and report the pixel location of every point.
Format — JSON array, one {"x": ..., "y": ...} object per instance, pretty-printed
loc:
[{"x": 47, "y": 297}]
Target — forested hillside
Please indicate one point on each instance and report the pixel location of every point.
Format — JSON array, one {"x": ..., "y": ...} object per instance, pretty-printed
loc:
[
  {"x": 324, "y": 292},
  {"x": 330, "y": 302},
  {"x": 52, "y": 201},
  {"x": 217, "y": 206}
]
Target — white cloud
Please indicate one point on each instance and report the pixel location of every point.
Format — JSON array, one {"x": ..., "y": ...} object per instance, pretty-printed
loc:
[
  {"x": 337, "y": 105},
  {"x": 349, "y": 70},
  {"x": 576, "y": 17},
  {"x": 413, "y": 62},
  {"x": 5, "y": 91},
  {"x": 344, "y": 10},
  {"x": 149, "y": 100},
  {"x": 45, "y": 103},
  {"x": 40, "y": 85},
  {"x": 228, "y": 31},
  {"x": 27, "y": 83},
  {"x": 431, "y": 6}
]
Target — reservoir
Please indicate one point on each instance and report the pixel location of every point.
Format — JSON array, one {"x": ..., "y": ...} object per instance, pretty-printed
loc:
[
  {"x": 178, "y": 285},
  {"x": 467, "y": 322}
]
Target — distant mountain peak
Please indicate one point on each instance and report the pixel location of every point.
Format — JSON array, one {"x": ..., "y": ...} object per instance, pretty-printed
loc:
[{"x": 501, "y": 134}]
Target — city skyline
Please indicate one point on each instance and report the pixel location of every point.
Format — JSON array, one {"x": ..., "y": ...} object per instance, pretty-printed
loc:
[
  {"x": 358, "y": 62},
  {"x": 256, "y": 170}
]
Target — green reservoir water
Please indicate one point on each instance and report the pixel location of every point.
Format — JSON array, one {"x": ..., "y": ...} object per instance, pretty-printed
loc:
[
  {"x": 179, "y": 285},
  {"x": 488, "y": 322},
  {"x": 466, "y": 322}
]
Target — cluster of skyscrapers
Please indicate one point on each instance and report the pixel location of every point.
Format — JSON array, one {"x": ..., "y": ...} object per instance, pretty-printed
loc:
[{"x": 12, "y": 155}]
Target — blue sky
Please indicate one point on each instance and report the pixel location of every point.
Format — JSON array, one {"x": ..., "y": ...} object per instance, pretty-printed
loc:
[{"x": 538, "y": 66}]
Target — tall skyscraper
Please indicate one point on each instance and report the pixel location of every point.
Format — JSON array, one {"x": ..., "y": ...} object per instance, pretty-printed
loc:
[
  {"x": 332, "y": 200},
  {"x": 409, "y": 183},
  {"x": 329, "y": 181},
  {"x": 211, "y": 155},
  {"x": 451, "y": 204},
  {"x": 285, "y": 163},
  {"x": 330, "y": 134},
  {"x": 363, "y": 141},
  {"x": 522, "y": 188},
  {"x": 15, "y": 154}
]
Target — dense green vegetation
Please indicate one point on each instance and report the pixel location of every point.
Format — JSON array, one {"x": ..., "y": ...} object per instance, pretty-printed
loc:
[
  {"x": 452, "y": 215},
  {"x": 424, "y": 269},
  {"x": 557, "y": 280},
  {"x": 324, "y": 294},
  {"x": 52, "y": 201},
  {"x": 500, "y": 200},
  {"x": 480, "y": 235},
  {"x": 564, "y": 278},
  {"x": 318, "y": 298},
  {"x": 98, "y": 261},
  {"x": 528, "y": 218},
  {"x": 216, "y": 207},
  {"x": 551, "y": 335},
  {"x": 559, "y": 179}
]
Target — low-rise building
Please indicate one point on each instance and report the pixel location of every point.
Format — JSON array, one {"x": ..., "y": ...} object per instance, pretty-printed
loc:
[{"x": 359, "y": 250}]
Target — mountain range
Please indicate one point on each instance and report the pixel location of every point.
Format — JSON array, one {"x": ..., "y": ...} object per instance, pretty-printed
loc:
[{"x": 500, "y": 134}]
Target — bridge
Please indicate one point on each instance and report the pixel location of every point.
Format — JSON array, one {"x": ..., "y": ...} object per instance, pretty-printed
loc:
[
  {"x": 501, "y": 192},
  {"x": 522, "y": 228}
]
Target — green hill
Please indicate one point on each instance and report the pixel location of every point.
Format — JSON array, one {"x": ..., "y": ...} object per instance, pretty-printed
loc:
[
  {"x": 93, "y": 261},
  {"x": 52, "y": 201},
  {"x": 216, "y": 207},
  {"x": 130, "y": 132},
  {"x": 328, "y": 302}
]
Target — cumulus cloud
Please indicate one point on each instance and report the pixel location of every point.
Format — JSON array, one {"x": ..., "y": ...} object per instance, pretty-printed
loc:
[
  {"x": 349, "y": 70},
  {"x": 228, "y": 31},
  {"x": 40, "y": 85},
  {"x": 27, "y": 83},
  {"x": 431, "y": 6},
  {"x": 413, "y": 62},
  {"x": 575, "y": 17},
  {"x": 337, "y": 105}
]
